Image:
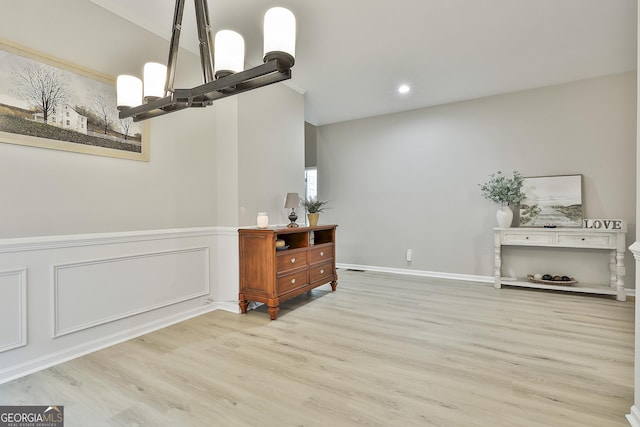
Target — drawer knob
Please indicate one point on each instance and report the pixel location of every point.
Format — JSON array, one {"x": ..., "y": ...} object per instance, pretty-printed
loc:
[
  {"x": 321, "y": 253},
  {"x": 293, "y": 260},
  {"x": 583, "y": 238},
  {"x": 293, "y": 281},
  {"x": 321, "y": 271},
  {"x": 527, "y": 237}
]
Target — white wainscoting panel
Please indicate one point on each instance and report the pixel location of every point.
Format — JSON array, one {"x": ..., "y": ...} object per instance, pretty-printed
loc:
[
  {"x": 13, "y": 309},
  {"x": 91, "y": 293}
]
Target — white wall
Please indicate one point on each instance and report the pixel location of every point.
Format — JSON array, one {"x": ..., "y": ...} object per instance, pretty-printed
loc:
[
  {"x": 270, "y": 152},
  {"x": 410, "y": 180}
]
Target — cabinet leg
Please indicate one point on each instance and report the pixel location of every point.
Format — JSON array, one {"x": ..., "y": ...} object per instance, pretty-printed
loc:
[
  {"x": 334, "y": 285},
  {"x": 273, "y": 312},
  {"x": 244, "y": 305}
]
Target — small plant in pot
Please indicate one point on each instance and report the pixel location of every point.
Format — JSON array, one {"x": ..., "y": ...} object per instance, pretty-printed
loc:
[
  {"x": 314, "y": 207},
  {"x": 503, "y": 191}
]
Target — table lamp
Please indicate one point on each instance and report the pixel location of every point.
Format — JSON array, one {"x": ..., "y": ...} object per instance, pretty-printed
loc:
[{"x": 293, "y": 201}]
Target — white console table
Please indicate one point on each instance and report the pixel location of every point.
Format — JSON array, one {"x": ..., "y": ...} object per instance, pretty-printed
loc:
[{"x": 613, "y": 241}]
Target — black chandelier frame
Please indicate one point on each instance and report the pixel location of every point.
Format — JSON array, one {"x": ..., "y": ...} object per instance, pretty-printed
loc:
[{"x": 276, "y": 68}]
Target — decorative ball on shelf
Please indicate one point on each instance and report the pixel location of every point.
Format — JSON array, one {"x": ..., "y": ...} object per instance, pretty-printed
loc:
[
  {"x": 547, "y": 277},
  {"x": 566, "y": 278},
  {"x": 537, "y": 276},
  {"x": 557, "y": 278},
  {"x": 279, "y": 243}
]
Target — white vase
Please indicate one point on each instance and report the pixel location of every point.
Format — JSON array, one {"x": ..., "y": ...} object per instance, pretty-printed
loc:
[{"x": 504, "y": 217}]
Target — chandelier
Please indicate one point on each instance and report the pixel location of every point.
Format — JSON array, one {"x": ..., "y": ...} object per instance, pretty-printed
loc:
[{"x": 222, "y": 66}]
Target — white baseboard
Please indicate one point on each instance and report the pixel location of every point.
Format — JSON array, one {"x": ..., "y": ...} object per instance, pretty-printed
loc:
[
  {"x": 65, "y": 355},
  {"x": 421, "y": 273},
  {"x": 438, "y": 275},
  {"x": 231, "y": 306},
  {"x": 634, "y": 417}
]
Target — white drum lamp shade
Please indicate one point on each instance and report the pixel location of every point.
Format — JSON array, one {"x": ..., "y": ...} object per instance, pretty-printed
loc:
[
  {"x": 155, "y": 76},
  {"x": 128, "y": 91},
  {"x": 279, "y": 33},
  {"x": 228, "y": 53}
]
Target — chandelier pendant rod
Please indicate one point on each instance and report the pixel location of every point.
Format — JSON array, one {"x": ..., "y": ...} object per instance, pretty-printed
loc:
[
  {"x": 205, "y": 39},
  {"x": 173, "y": 47}
]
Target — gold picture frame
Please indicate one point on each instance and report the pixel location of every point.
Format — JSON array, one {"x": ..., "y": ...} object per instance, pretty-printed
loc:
[{"x": 53, "y": 104}]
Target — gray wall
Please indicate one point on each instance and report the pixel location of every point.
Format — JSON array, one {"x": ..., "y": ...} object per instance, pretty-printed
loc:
[
  {"x": 260, "y": 154},
  {"x": 193, "y": 177},
  {"x": 49, "y": 192},
  {"x": 411, "y": 180},
  {"x": 310, "y": 145}
]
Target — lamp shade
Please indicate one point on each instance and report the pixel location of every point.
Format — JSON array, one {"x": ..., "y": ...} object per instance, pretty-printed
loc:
[
  {"x": 129, "y": 91},
  {"x": 280, "y": 35},
  {"x": 155, "y": 76},
  {"x": 293, "y": 200},
  {"x": 228, "y": 53}
]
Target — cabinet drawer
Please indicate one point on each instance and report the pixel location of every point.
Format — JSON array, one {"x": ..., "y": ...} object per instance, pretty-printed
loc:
[
  {"x": 323, "y": 253},
  {"x": 524, "y": 238},
  {"x": 321, "y": 271},
  {"x": 587, "y": 240},
  {"x": 289, "y": 260},
  {"x": 292, "y": 281}
]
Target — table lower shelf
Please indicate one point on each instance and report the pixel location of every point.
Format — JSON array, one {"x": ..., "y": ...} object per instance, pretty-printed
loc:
[{"x": 576, "y": 287}]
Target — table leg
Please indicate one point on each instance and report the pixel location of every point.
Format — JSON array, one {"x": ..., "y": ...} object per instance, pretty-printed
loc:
[
  {"x": 620, "y": 273},
  {"x": 613, "y": 276},
  {"x": 497, "y": 263}
]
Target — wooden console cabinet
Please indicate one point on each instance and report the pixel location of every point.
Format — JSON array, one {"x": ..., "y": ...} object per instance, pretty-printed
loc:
[{"x": 270, "y": 276}]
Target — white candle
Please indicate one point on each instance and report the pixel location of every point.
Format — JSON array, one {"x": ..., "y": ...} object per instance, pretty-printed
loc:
[{"x": 263, "y": 220}]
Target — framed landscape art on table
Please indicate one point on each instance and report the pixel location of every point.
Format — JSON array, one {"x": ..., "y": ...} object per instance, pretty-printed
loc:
[
  {"x": 48, "y": 103},
  {"x": 552, "y": 201}
]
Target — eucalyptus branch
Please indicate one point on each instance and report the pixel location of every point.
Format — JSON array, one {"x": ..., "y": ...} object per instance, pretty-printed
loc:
[{"x": 503, "y": 190}]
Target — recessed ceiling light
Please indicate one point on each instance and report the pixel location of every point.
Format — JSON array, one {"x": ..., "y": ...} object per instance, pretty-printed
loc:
[{"x": 404, "y": 89}]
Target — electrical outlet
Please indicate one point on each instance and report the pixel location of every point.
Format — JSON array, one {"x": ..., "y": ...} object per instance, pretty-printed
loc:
[
  {"x": 207, "y": 301},
  {"x": 409, "y": 255}
]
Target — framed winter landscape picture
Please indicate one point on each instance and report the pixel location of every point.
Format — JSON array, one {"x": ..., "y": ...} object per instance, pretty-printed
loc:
[
  {"x": 552, "y": 201},
  {"x": 51, "y": 104}
]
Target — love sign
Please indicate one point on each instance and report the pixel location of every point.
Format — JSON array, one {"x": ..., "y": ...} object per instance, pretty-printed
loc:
[{"x": 605, "y": 224}]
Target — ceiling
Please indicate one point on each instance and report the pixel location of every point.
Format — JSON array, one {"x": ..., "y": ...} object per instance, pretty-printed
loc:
[{"x": 352, "y": 55}]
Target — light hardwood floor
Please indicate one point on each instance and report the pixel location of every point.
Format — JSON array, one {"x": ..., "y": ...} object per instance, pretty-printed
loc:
[{"x": 383, "y": 350}]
